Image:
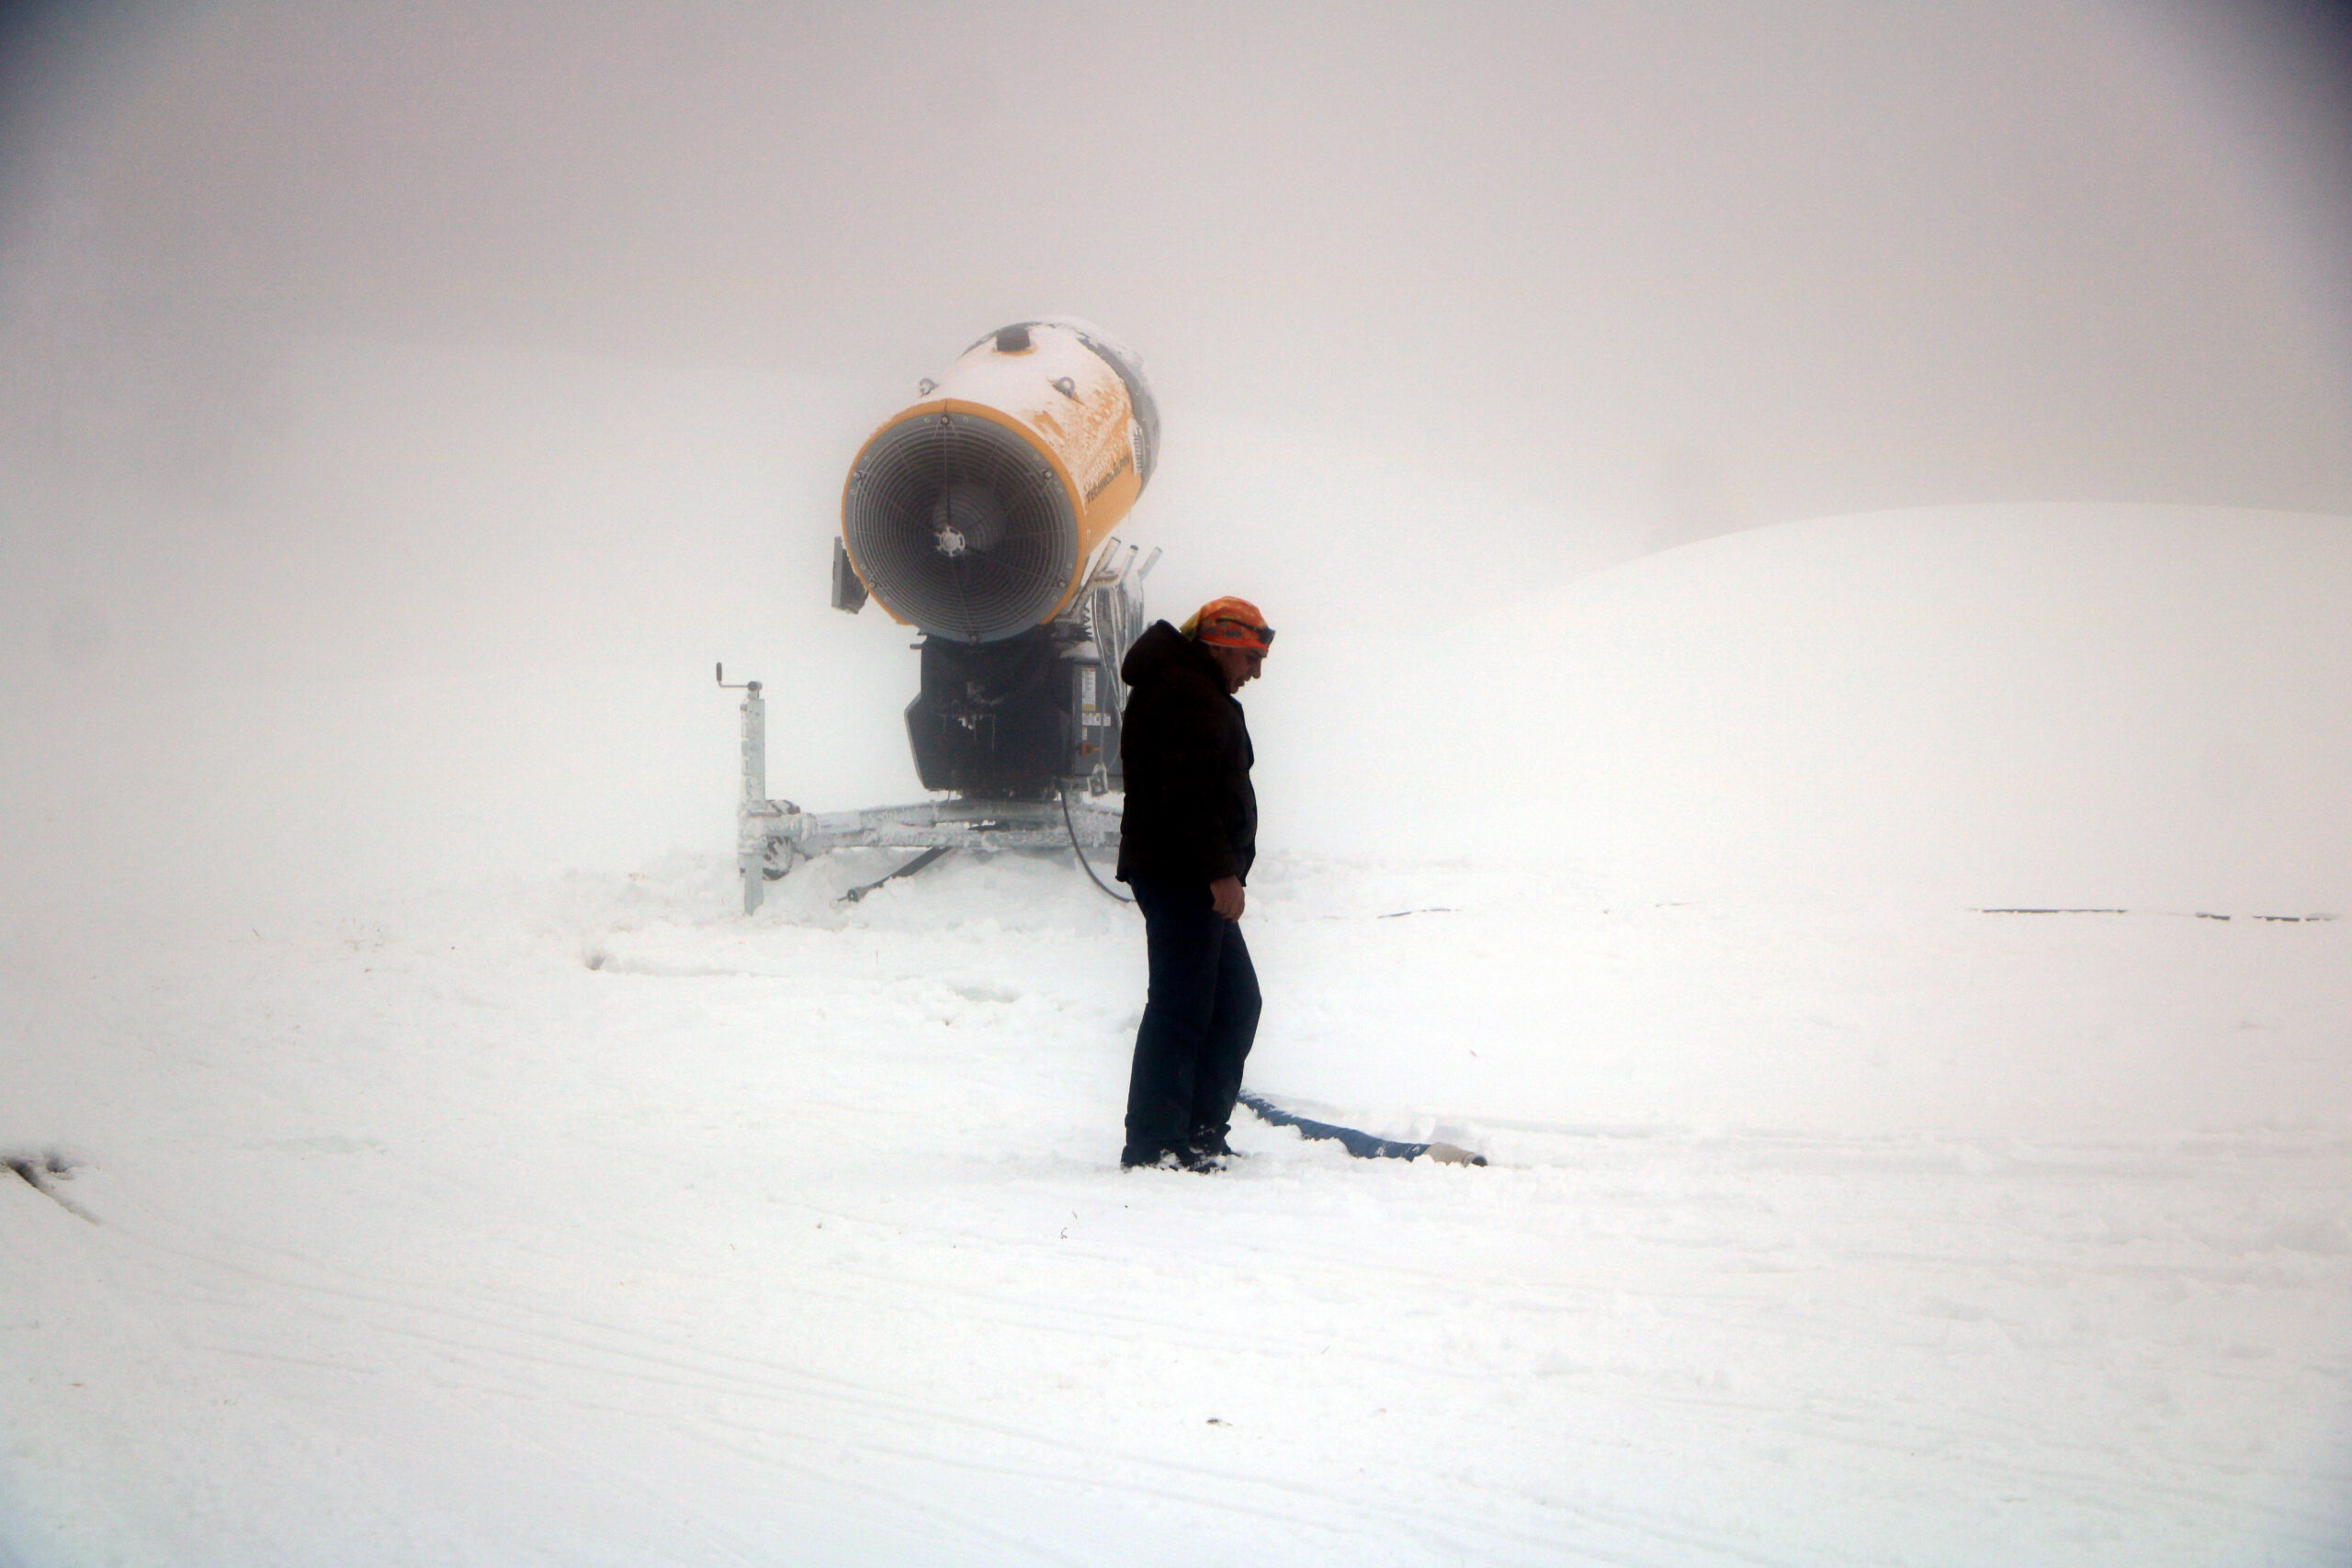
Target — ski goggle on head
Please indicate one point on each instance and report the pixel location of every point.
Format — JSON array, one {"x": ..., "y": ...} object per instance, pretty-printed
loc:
[{"x": 1232, "y": 623}]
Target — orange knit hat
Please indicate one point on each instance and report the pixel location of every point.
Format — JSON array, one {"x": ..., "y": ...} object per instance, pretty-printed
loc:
[{"x": 1230, "y": 623}]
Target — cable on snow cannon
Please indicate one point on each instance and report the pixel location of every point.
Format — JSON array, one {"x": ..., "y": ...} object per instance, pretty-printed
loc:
[{"x": 982, "y": 516}]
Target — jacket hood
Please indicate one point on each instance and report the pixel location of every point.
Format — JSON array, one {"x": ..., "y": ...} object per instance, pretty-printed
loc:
[{"x": 1160, "y": 649}]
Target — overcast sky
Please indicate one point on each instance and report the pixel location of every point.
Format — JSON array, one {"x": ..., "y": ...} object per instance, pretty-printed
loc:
[{"x": 1692, "y": 266}]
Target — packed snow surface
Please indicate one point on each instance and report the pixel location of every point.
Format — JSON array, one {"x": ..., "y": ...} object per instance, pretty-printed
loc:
[{"x": 592, "y": 1223}]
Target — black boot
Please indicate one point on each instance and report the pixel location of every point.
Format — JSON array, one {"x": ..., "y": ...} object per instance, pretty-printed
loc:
[
  {"x": 1173, "y": 1156},
  {"x": 1210, "y": 1141}
]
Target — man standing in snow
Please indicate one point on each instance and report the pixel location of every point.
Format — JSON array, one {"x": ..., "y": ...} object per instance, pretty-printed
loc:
[{"x": 1185, "y": 845}]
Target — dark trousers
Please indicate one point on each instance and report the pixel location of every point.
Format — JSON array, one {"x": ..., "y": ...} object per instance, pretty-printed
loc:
[{"x": 1199, "y": 1018}]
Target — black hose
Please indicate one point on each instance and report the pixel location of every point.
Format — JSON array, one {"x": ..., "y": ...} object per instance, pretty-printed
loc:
[
  {"x": 1361, "y": 1144},
  {"x": 1072, "y": 829}
]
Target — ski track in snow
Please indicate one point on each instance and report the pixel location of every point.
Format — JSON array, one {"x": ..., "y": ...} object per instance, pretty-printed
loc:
[{"x": 584, "y": 1222}]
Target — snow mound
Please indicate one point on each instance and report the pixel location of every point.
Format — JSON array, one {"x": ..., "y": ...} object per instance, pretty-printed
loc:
[{"x": 2125, "y": 705}]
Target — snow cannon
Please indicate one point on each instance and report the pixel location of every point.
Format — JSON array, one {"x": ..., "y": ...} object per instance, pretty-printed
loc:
[
  {"x": 981, "y": 514},
  {"x": 974, "y": 512}
]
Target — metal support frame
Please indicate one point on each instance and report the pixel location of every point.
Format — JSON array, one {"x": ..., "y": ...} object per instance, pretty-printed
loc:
[{"x": 770, "y": 835}]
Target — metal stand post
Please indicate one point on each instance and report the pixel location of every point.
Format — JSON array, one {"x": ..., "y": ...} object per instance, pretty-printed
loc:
[
  {"x": 749, "y": 856},
  {"x": 754, "y": 808}
]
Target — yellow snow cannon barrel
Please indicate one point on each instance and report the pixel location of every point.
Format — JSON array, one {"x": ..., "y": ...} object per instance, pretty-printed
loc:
[{"x": 973, "y": 512}]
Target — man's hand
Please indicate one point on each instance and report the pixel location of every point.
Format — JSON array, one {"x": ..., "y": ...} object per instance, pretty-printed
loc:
[{"x": 1226, "y": 894}]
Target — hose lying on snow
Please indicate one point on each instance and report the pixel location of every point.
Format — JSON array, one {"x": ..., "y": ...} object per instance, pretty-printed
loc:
[{"x": 1361, "y": 1144}]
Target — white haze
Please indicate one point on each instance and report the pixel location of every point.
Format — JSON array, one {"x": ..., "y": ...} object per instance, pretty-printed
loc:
[
  {"x": 1767, "y": 480},
  {"x": 401, "y": 408}
]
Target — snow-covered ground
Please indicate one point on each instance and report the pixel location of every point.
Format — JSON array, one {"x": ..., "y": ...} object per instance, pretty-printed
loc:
[
  {"x": 527, "y": 1216},
  {"x": 590, "y": 1224}
]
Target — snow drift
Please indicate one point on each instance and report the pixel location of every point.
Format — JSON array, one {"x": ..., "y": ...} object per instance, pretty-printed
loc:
[{"x": 2110, "y": 706}]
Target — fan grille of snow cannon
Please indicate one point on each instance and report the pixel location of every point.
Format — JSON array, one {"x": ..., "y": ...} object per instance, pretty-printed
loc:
[{"x": 961, "y": 526}]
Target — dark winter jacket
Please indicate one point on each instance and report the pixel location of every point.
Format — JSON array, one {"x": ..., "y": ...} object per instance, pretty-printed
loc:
[{"x": 1184, "y": 746}]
